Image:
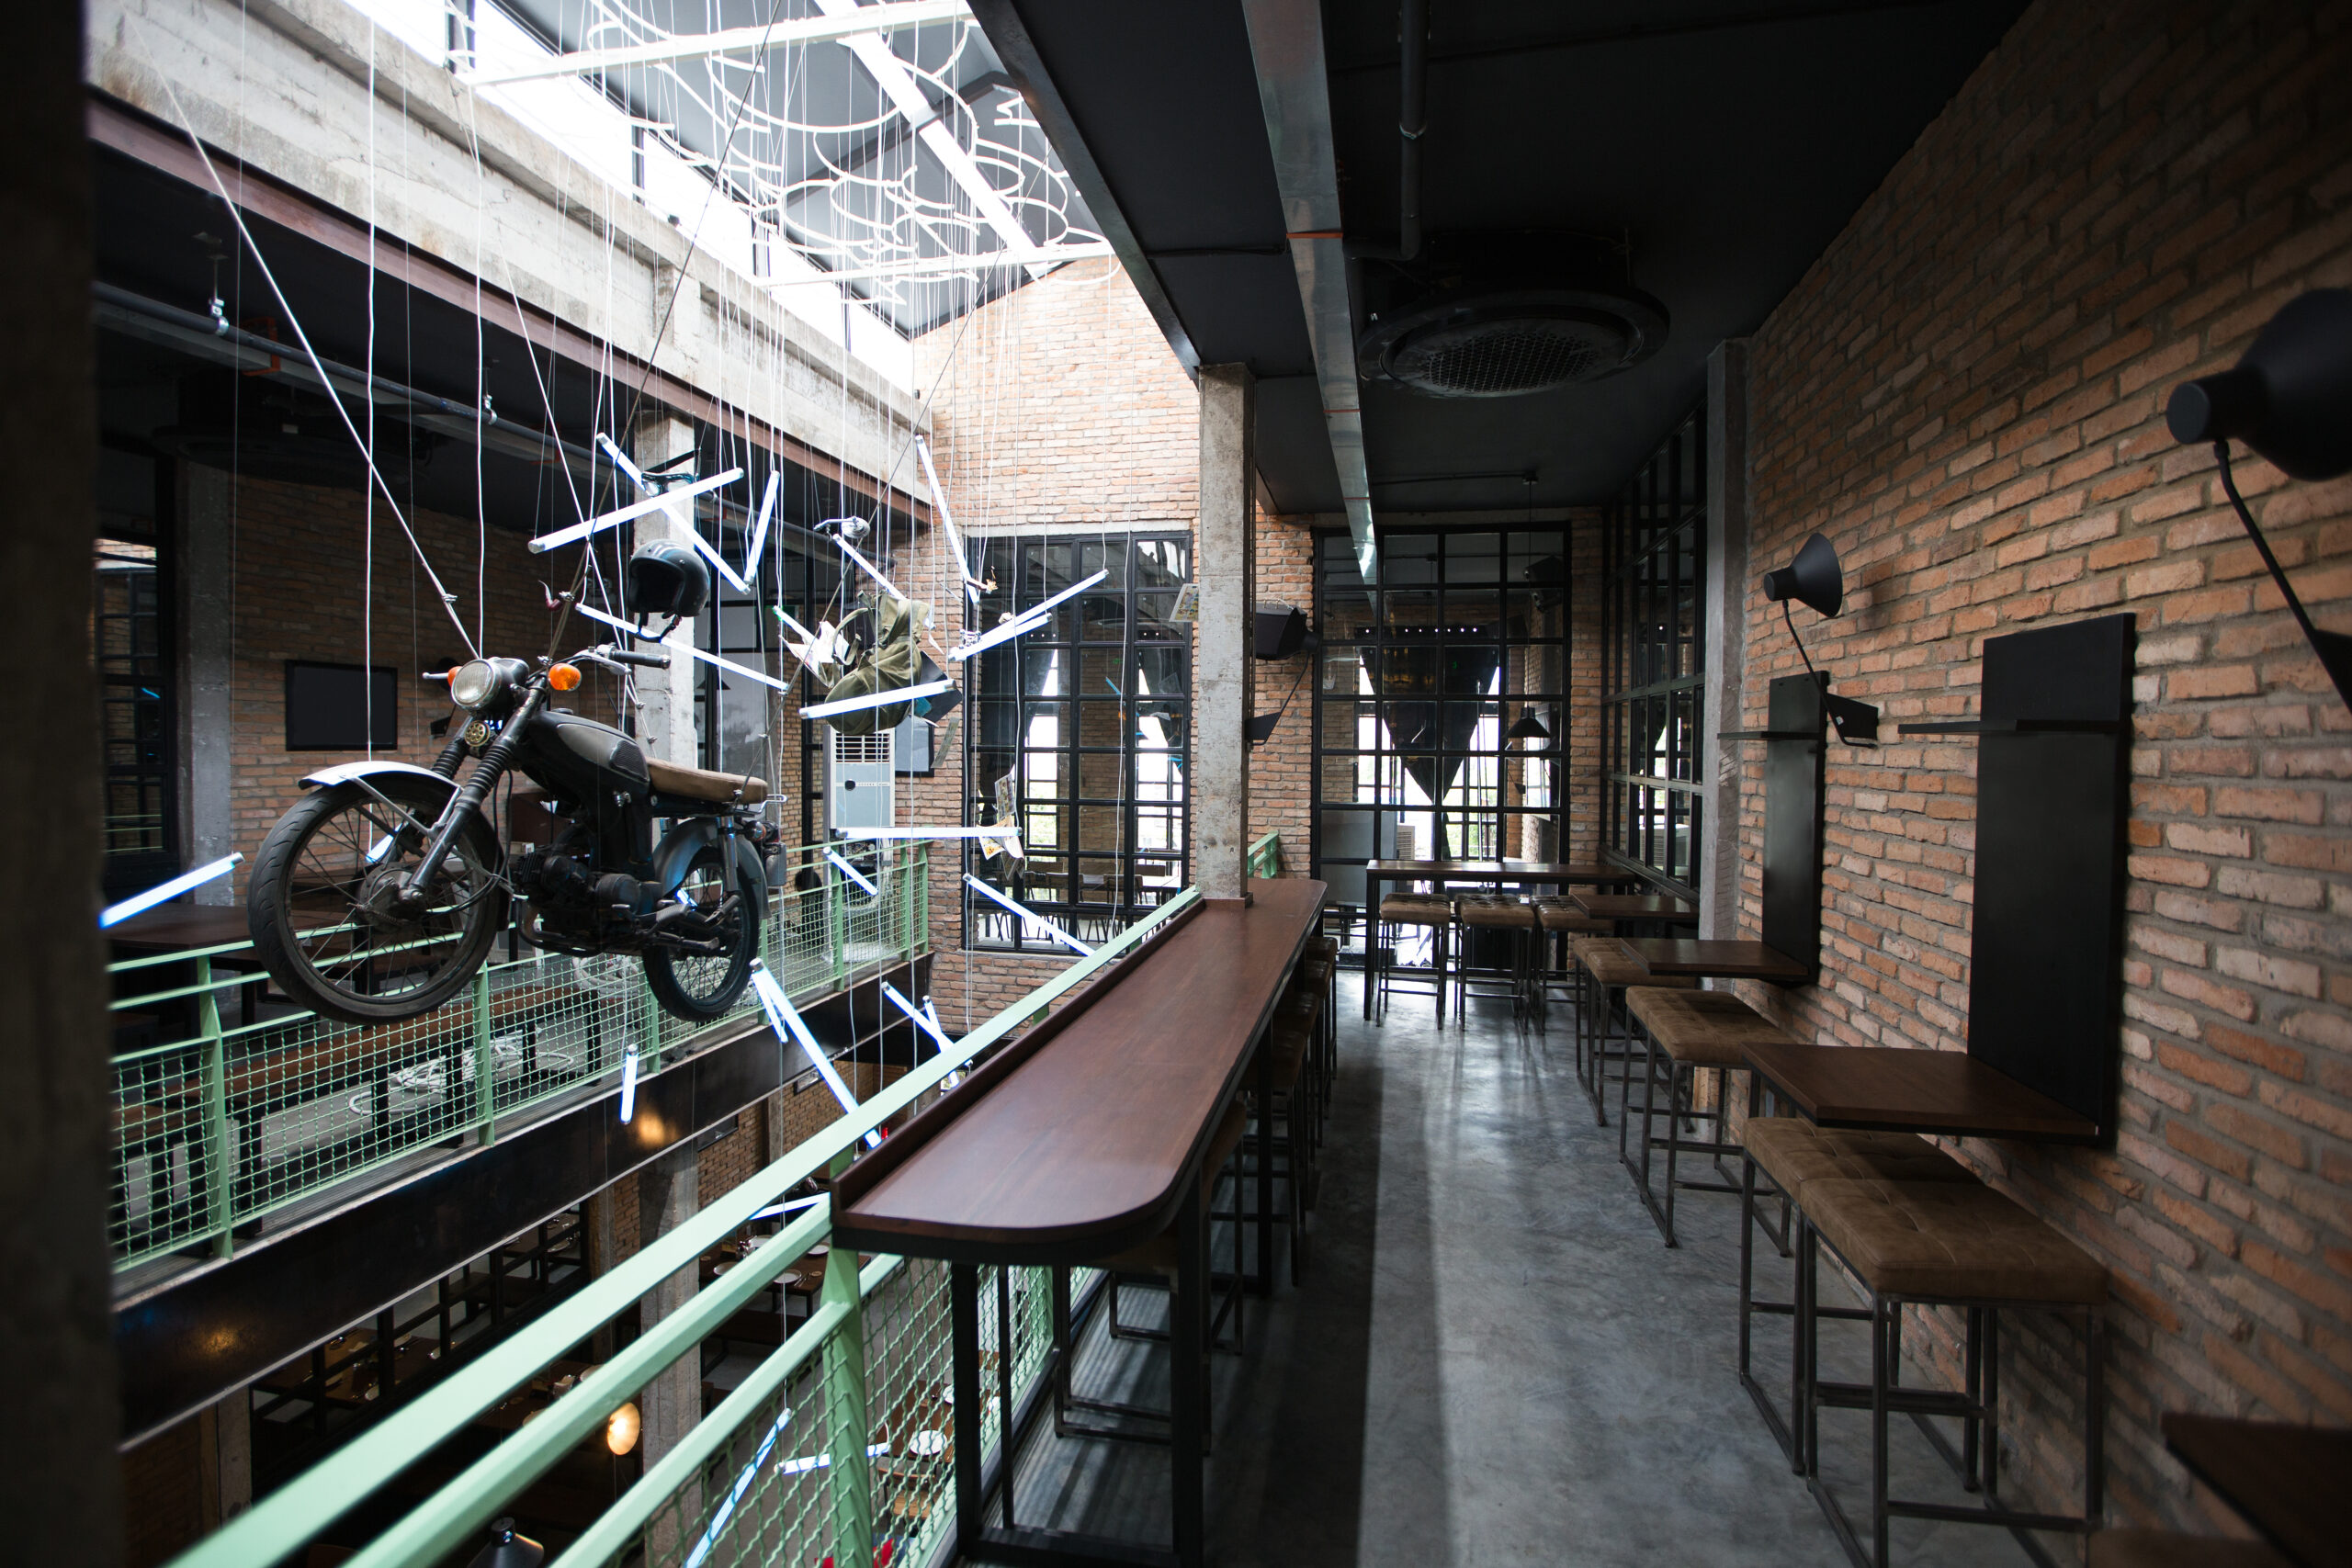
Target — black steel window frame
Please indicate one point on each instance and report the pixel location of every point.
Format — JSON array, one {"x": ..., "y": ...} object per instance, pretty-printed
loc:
[
  {"x": 1097, "y": 652},
  {"x": 1440, "y": 630},
  {"x": 132, "y": 649},
  {"x": 1653, "y": 678}
]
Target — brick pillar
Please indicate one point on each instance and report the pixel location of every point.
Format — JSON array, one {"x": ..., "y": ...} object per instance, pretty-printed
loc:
[
  {"x": 665, "y": 721},
  {"x": 1223, "y": 559},
  {"x": 667, "y": 1196}
]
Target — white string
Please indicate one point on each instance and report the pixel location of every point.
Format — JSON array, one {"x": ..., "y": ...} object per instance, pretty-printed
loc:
[
  {"x": 236, "y": 216},
  {"x": 367, "y": 498}
]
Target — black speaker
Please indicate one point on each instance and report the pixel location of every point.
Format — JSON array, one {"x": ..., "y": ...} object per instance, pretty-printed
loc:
[{"x": 1280, "y": 632}]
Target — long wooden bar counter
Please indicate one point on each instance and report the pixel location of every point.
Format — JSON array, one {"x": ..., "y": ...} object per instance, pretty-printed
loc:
[{"x": 1082, "y": 1139}]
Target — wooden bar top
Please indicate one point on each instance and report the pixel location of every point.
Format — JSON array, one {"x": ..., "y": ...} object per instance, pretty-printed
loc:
[
  {"x": 1539, "y": 871},
  {"x": 1079, "y": 1148},
  {"x": 1912, "y": 1089},
  {"x": 1634, "y": 906},
  {"x": 1719, "y": 960},
  {"x": 2287, "y": 1480}
]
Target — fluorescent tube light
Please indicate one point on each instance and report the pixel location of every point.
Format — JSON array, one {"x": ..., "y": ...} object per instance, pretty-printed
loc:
[
  {"x": 710, "y": 552},
  {"x": 939, "y": 507},
  {"x": 853, "y": 873},
  {"x": 1021, "y": 617},
  {"x": 629, "y": 1084},
  {"x": 1027, "y": 914},
  {"x": 579, "y": 531},
  {"x": 727, "y": 664},
  {"x": 1020, "y": 625},
  {"x": 877, "y": 699},
  {"x": 115, "y": 914},
  {"x": 929, "y": 1025},
  {"x": 620, "y": 460},
  {"x": 759, "y": 529},
  {"x": 785, "y": 1020},
  {"x": 924, "y": 833},
  {"x": 875, "y": 572}
]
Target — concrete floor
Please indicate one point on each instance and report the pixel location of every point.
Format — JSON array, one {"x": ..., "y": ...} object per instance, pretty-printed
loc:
[{"x": 1491, "y": 1358}]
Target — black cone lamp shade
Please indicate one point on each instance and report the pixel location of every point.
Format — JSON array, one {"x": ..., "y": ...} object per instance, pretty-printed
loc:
[
  {"x": 1816, "y": 580},
  {"x": 507, "y": 1550},
  {"x": 1813, "y": 579},
  {"x": 2290, "y": 400},
  {"x": 1528, "y": 727}
]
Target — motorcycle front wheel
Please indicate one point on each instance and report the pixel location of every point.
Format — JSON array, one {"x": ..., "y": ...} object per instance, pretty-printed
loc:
[
  {"x": 702, "y": 986},
  {"x": 321, "y": 912}
]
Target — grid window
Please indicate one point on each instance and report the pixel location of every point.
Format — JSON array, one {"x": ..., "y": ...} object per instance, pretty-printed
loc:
[
  {"x": 1653, "y": 644},
  {"x": 1418, "y": 689},
  {"x": 1079, "y": 729},
  {"x": 126, "y": 634}
]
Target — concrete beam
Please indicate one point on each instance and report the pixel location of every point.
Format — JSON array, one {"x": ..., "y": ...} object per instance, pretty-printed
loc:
[
  {"x": 1225, "y": 567},
  {"x": 665, "y": 718},
  {"x": 203, "y": 574}
]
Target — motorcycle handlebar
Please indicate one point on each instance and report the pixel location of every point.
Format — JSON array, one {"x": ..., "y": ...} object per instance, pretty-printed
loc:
[{"x": 624, "y": 656}]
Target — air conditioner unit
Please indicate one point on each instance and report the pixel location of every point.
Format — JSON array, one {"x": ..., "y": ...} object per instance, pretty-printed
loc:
[{"x": 860, "y": 781}]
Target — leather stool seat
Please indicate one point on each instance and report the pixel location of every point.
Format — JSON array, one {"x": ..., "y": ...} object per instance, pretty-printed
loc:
[
  {"x": 1416, "y": 909},
  {"x": 2164, "y": 1549},
  {"x": 1606, "y": 958},
  {"x": 1707, "y": 1029},
  {"x": 1950, "y": 1241},
  {"x": 1495, "y": 912},
  {"x": 1159, "y": 1255},
  {"x": 1562, "y": 915},
  {"x": 1795, "y": 1152}
]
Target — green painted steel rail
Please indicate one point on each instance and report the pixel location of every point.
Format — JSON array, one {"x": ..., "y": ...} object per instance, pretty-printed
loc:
[
  {"x": 1265, "y": 858},
  {"x": 219, "y": 1123},
  {"x": 283, "y": 1523}
]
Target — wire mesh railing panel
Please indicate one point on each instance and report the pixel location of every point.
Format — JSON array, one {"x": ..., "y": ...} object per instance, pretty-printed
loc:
[
  {"x": 217, "y": 1125},
  {"x": 911, "y": 1410},
  {"x": 762, "y": 1500}
]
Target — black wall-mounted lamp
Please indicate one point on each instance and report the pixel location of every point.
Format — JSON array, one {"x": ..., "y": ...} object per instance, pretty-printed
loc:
[
  {"x": 508, "y": 1549},
  {"x": 2290, "y": 400},
  {"x": 1816, "y": 579},
  {"x": 1526, "y": 726}
]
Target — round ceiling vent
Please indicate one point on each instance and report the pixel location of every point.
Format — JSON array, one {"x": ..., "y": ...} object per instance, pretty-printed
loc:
[{"x": 1508, "y": 344}]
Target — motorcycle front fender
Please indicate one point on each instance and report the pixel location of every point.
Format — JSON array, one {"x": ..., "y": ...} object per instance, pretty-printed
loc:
[
  {"x": 677, "y": 848},
  {"x": 344, "y": 772}
]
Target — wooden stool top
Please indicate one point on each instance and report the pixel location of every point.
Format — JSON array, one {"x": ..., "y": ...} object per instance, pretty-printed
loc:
[
  {"x": 1709, "y": 1028},
  {"x": 1562, "y": 915},
  {"x": 1950, "y": 1241},
  {"x": 1795, "y": 1152}
]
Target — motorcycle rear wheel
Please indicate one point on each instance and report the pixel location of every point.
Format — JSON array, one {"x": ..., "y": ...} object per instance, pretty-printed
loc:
[
  {"x": 701, "y": 988},
  {"x": 307, "y": 905}
]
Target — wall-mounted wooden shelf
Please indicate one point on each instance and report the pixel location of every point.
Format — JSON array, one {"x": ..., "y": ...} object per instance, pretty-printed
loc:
[{"x": 2017, "y": 727}]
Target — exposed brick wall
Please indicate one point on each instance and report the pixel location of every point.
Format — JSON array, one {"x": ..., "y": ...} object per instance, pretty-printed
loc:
[
  {"x": 1581, "y": 768},
  {"x": 1965, "y": 394},
  {"x": 300, "y": 566},
  {"x": 1281, "y": 769}
]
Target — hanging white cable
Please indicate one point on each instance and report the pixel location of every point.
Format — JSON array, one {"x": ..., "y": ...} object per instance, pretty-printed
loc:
[{"x": 294, "y": 323}]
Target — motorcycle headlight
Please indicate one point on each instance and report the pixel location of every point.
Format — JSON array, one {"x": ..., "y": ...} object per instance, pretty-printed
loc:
[{"x": 474, "y": 683}]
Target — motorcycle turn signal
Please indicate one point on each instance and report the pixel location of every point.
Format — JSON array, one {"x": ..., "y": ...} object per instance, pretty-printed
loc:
[{"x": 563, "y": 677}]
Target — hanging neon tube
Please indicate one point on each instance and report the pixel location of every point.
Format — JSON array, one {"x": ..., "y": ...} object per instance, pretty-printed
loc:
[
  {"x": 727, "y": 664},
  {"x": 1027, "y": 914},
  {"x": 785, "y": 1020},
  {"x": 598, "y": 523},
  {"x": 138, "y": 903}
]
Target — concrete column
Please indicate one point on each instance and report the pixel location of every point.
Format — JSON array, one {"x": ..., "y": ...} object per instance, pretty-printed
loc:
[
  {"x": 667, "y": 1196},
  {"x": 203, "y": 571},
  {"x": 1726, "y": 605},
  {"x": 1224, "y": 565},
  {"x": 224, "y": 1437},
  {"x": 600, "y": 1243},
  {"x": 61, "y": 1488},
  {"x": 665, "y": 721}
]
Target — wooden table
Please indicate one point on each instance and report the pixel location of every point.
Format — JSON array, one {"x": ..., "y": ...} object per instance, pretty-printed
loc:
[
  {"x": 1912, "y": 1089},
  {"x": 1717, "y": 960},
  {"x": 1081, "y": 1139},
  {"x": 1537, "y": 873},
  {"x": 2288, "y": 1482},
  {"x": 1635, "y": 907}
]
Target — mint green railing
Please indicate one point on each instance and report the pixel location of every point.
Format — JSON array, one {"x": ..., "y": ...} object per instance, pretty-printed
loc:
[
  {"x": 1266, "y": 857},
  {"x": 218, "y": 1122},
  {"x": 829, "y": 1449}
]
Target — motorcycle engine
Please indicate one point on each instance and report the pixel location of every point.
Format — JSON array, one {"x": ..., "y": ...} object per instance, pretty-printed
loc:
[{"x": 562, "y": 882}]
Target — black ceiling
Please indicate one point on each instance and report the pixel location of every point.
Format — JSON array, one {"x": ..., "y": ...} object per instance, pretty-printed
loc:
[{"x": 1724, "y": 146}]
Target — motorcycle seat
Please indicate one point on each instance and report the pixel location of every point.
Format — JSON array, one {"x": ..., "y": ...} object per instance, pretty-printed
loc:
[{"x": 702, "y": 783}]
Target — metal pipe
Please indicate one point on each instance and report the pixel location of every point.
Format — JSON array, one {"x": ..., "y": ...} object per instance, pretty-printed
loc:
[{"x": 1412, "y": 119}]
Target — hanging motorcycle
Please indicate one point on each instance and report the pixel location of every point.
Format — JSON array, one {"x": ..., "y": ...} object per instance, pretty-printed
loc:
[{"x": 380, "y": 894}]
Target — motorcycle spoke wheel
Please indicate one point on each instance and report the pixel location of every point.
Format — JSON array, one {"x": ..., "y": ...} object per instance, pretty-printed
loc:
[{"x": 701, "y": 986}]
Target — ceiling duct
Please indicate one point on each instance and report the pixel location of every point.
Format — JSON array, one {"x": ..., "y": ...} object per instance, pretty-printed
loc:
[{"x": 1507, "y": 313}]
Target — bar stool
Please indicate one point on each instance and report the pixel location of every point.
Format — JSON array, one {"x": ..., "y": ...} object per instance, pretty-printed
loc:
[
  {"x": 1156, "y": 1259},
  {"x": 1556, "y": 963},
  {"x": 1790, "y": 1153},
  {"x": 1400, "y": 912},
  {"x": 1318, "y": 967},
  {"x": 1290, "y": 1045},
  {"x": 1492, "y": 911},
  {"x": 1604, "y": 969},
  {"x": 1943, "y": 1243},
  {"x": 1688, "y": 1029}
]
